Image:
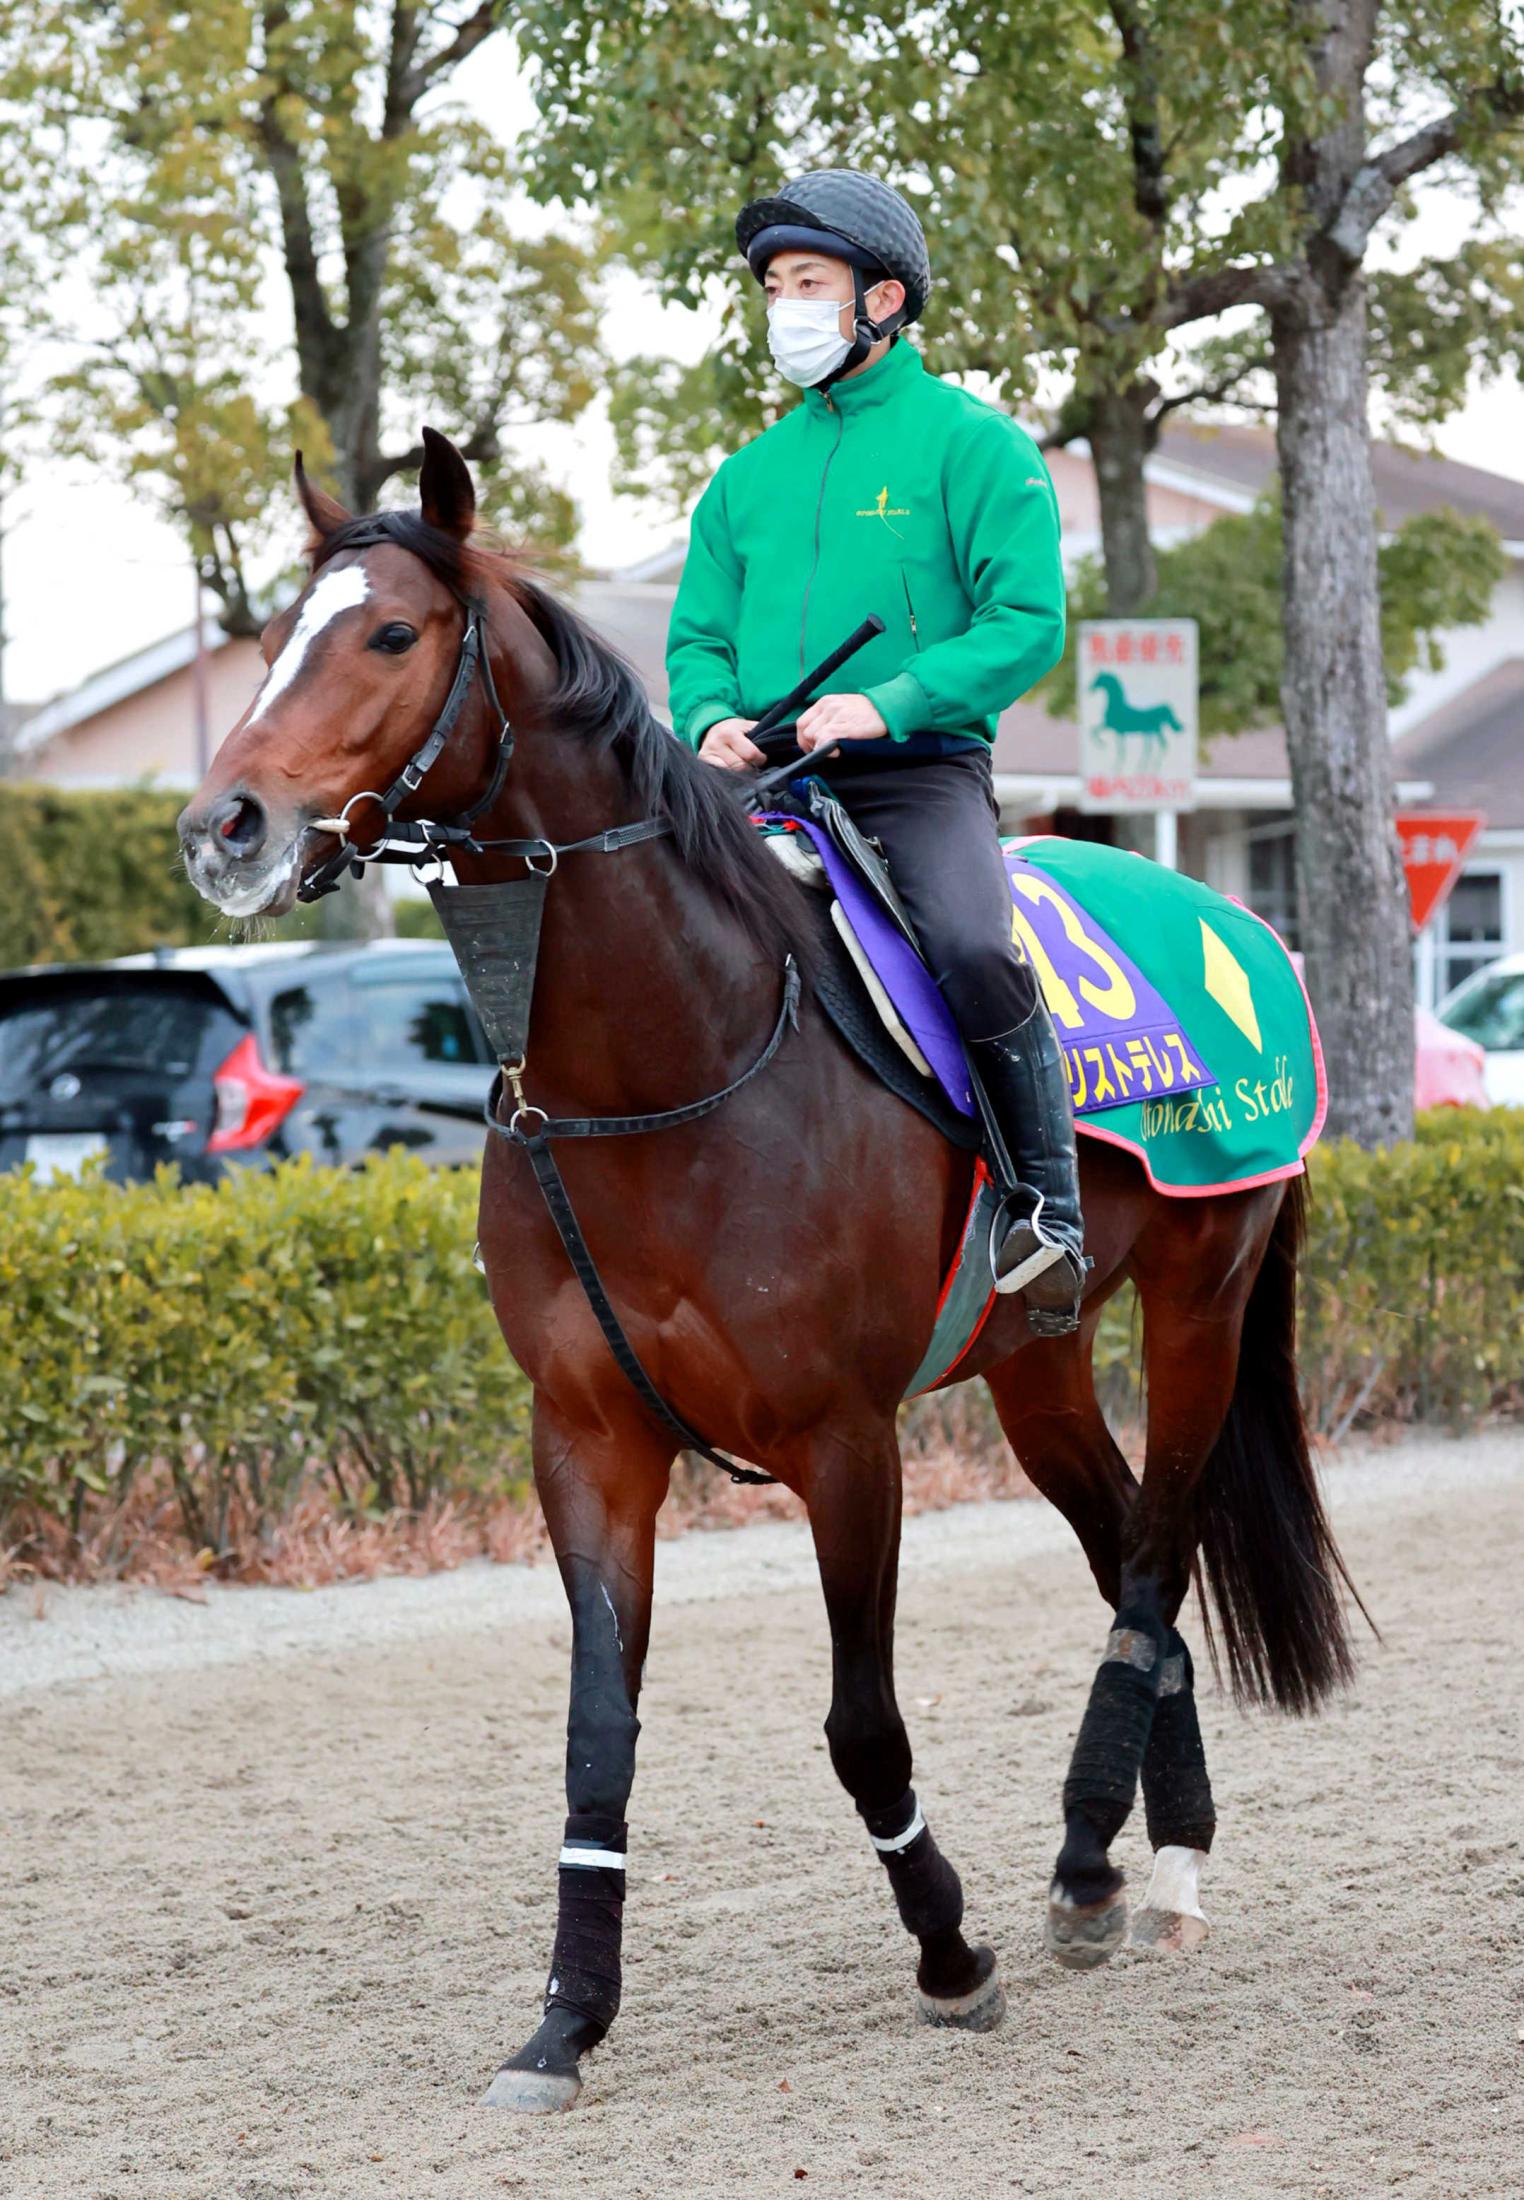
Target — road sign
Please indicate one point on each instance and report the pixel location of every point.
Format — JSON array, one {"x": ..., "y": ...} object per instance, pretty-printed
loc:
[
  {"x": 1435, "y": 844},
  {"x": 1137, "y": 712}
]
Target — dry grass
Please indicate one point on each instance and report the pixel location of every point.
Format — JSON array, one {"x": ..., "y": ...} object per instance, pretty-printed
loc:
[{"x": 952, "y": 1452}]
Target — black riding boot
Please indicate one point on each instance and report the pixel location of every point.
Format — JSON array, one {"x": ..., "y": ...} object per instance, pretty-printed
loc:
[{"x": 1041, "y": 1251}]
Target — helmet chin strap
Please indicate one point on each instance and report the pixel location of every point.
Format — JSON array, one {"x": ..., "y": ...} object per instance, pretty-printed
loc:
[{"x": 866, "y": 333}]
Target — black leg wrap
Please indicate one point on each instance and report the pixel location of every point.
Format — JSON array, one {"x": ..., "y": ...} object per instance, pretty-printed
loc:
[
  {"x": 1177, "y": 1795},
  {"x": 584, "y": 1967},
  {"x": 927, "y": 1891},
  {"x": 1103, "y": 1772}
]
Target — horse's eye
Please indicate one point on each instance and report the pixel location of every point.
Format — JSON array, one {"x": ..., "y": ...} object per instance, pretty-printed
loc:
[{"x": 393, "y": 638}]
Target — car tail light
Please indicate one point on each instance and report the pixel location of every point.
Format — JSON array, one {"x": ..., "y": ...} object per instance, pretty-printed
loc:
[{"x": 252, "y": 1101}]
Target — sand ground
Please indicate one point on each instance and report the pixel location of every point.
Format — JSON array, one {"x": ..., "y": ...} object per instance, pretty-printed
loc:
[{"x": 277, "y": 1887}]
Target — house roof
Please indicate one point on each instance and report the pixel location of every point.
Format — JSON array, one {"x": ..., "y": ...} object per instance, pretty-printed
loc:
[
  {"x": 1241, "y": 459},
  {"x": 1472, "y": 748},
  {"x": 114, "y": 683}
]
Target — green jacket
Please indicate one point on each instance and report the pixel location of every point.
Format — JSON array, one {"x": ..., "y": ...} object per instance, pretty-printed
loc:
[{"x": 892, "y": 492}]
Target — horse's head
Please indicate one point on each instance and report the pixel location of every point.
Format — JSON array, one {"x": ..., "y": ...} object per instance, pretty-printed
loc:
[
  {"x": 359, "y": 670},
  {"x": 1106, "y": 682}
]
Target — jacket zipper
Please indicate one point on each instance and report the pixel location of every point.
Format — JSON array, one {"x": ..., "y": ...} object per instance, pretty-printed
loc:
[
  {"x": 804, "y": 609},
  {"x": 915, "y": 632}
]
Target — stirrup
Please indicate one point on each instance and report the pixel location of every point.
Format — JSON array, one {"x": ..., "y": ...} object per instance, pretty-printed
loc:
[{"x": 1022, "y": 1254}]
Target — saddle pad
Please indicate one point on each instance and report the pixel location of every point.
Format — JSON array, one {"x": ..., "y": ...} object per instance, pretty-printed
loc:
[
  {"x": 1196, "y": 1052},
  {"x": 1236, "y": 1000}
]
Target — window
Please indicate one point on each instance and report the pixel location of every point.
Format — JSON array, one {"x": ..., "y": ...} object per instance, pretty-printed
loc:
[
  {"x": 1491, "y": 1013},
  {"x": 1272, "y": 879},
  {"x": 405, "y": 1021},
  {"x": 155, "y": 1031},
  {"x": 1470, "y": 927},
  {"x": 313, "y": 1030}
]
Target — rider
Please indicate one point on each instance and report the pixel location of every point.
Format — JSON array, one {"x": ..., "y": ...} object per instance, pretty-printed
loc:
[{"x": 890, "y": 491}]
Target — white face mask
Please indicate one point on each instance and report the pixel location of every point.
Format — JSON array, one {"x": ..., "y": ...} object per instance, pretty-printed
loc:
[{"x": 804, "y": 337}]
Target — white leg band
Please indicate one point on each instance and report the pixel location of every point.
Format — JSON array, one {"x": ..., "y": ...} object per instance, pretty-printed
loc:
[
  {"x": 607, "y": 1860},
  {"x": 901, "y": 1840}
]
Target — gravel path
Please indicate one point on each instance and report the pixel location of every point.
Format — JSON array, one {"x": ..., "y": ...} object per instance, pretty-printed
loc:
[{"x": 277, "y": 1876}]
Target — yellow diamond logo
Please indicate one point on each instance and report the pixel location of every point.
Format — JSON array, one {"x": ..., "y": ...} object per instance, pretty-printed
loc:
[{"x": 1227, "y": 981}]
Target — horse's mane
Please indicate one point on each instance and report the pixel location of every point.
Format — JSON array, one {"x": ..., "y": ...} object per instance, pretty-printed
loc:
[{"x": 598, "y": 697}]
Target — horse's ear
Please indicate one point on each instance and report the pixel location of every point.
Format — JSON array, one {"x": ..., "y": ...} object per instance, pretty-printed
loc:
[
  {"x": 444, "y": 487},
  {"x": 326, "y": 513}
]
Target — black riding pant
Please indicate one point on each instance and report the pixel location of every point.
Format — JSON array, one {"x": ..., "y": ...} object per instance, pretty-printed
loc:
[{"x": 936, "y": 819}]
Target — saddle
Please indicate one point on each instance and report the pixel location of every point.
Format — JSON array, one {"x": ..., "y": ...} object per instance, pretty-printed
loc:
[{"x": 880, "y": 972}]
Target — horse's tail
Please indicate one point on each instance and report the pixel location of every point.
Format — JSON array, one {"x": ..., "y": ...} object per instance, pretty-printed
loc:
[{"x": 1266, "y": 1548}]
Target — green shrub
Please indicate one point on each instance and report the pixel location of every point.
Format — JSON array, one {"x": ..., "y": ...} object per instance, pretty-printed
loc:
[
  {"x": 303, "y": 1321},
  {"x": 85, "y": 875},
  {"x": 238, "y": 1336},
  {"x": 1413, "y": 1280}
]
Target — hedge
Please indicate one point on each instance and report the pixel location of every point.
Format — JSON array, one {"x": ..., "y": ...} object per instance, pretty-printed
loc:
[
  {"x": 87, "y": 874},
  {"x": 304, "y": 1320},
  {"x": 241, "y": 1335}
]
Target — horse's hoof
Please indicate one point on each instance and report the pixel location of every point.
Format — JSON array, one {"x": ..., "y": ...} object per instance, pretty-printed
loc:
[
  {"x": 533, "y": 2092},
  {"x": 979, "y": 2010},
  {"x": 1169, "y": 1932},
  {"x": 1084, "y": 1935},
  {"x": 1170, "y": 1922}
]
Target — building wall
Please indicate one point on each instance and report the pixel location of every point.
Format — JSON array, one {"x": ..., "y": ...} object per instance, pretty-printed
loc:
[
  {"x": 1469, "y": 651},
  {"x": 152, "y": 735}
]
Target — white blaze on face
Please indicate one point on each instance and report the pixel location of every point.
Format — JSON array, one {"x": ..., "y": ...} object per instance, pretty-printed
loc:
[{"x": 335, "y": 592}]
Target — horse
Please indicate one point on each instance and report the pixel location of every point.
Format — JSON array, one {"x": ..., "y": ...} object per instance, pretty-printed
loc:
[
  {"x": 774, "y": 1255},
  {"x": 1125, "y": 719}
]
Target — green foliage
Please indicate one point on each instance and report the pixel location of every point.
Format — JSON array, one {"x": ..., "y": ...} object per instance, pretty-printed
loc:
[
  {"x": 1438, "y": 570},
  {"x": 1413, "y": 1283},
  {"x": 86, "y": 875},
  {"x": 303, "y": 1322},
  {"x": 160, "y": 164},
  {"x": 240, "y": 1336},
  {"x": 1083, "y": 171}
]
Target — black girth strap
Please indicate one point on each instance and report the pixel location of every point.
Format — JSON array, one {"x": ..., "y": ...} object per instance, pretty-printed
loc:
[{"x": 537, "y": 1144}]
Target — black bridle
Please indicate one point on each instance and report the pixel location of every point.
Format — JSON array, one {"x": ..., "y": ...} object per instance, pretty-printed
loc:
[{"x": 407, "y": 843}]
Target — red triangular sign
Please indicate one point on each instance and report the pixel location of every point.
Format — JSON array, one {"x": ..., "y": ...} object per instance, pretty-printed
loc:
[{"x": 1435, "y": 845}]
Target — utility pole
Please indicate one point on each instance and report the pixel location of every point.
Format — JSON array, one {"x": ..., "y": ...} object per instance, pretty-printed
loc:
[{"x": 198, "y": 675}]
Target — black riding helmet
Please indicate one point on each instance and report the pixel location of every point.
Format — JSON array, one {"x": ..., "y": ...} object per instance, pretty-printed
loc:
[{"x": 854, "y": 218}]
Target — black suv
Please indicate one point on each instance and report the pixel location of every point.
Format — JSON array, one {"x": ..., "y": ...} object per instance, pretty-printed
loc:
[{"x": 215, "y": 1056}]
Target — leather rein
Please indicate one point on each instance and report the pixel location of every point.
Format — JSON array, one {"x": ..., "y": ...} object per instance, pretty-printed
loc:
[{"x": 501, "y": 994}]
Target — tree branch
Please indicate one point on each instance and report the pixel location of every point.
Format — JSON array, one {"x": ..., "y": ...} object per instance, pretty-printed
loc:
[
  {"x": 469, "y": 34},
  {"x": 284, "y": 161},
  {"x": 1376, "y": 183},
  {"x": 1199, "y": 297}
]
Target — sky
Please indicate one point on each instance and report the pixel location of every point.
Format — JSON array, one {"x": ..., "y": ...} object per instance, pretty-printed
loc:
[{"x": 140, "y": 585}]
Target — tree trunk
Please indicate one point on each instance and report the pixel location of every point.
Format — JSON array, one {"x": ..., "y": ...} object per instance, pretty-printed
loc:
[
  {"x": 1118, "y": 431},
  {"x": 1351, "y": 895},
  {"x": 360, "y": 910}
]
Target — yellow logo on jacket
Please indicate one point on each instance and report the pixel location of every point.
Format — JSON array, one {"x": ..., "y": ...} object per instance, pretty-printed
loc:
[{"x": 884, "y": 510}]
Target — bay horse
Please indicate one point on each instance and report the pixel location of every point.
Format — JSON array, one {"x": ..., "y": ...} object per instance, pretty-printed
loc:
[{"x": 776, "y": 1263}]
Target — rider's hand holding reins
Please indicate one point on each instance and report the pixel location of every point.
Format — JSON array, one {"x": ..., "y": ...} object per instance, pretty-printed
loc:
[
  {"x": 726, "y": 744},
  {"x": 839, "y": 718}
]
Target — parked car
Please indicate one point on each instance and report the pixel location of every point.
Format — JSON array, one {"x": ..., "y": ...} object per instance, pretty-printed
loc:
[
  {"x": 1449, "y": 1071},
  {"x": 1489, "y": 1008},
  {"x": 218, "y": 1057}
]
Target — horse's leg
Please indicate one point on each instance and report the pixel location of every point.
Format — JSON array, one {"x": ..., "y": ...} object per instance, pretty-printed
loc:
[
  {"x": 601, "y": 1488},
  {"x": 1178, "y": 1806},
  {"x": 1045, "y": 1397},
  {"x": 853, "y": 1495},
  {"x": 1195, "y": 1274}
]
